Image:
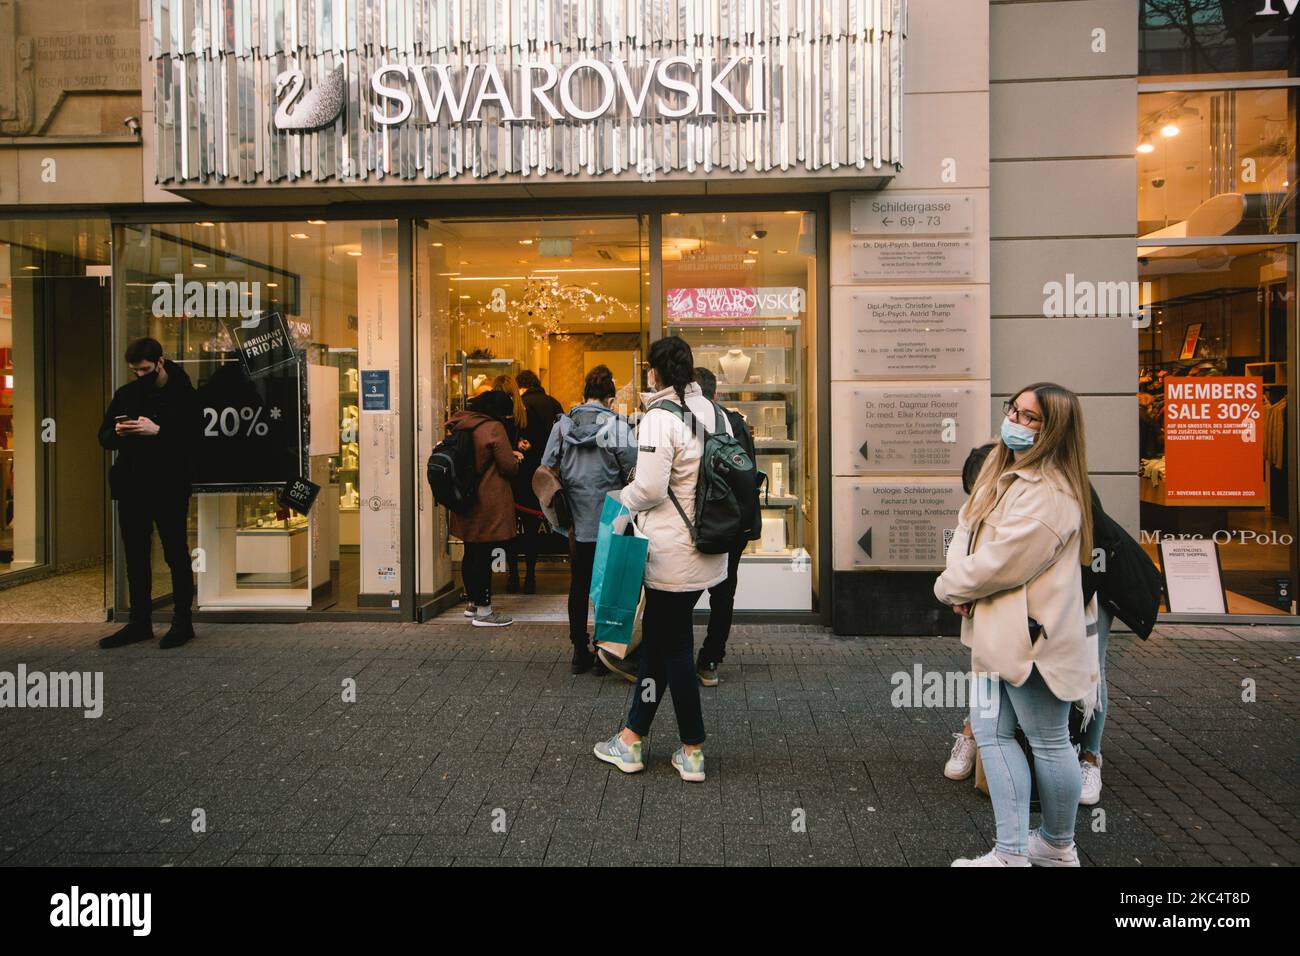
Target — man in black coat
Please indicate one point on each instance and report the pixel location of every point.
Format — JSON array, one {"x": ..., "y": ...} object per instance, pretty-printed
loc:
[
  {"x": 542, "y": 412},
  {"x": 153, "y": 423}
]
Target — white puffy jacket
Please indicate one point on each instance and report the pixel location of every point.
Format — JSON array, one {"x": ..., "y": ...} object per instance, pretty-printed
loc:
[{"x": 668, "y": 456}]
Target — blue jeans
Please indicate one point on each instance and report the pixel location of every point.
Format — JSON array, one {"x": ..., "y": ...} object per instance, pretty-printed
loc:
[
  {"x": 1091, "y": 742},
  {"x": 1045, "y": 721}
]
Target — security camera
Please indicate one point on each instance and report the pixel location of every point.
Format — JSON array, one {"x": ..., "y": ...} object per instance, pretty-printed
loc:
[
  {"x": 133, "y": 124},
  {"x": 1158, "y": 182}
]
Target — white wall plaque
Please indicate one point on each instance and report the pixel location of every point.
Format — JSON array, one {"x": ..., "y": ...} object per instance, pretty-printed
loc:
[
  {"x": 894, "y": 523},
  {"x": 1193, "y": 582},
  {"x": 910, "y": 333},
  {"x": 902, "y": 260},
  {"x": 907, "y": 429},
  {"x": 880, "y": 214}
]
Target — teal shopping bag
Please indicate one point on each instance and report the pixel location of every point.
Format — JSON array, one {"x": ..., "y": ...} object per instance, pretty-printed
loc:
[{"x": 616, "y": 573}]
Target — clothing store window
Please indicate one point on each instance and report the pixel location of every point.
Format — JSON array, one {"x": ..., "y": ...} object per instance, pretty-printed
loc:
[
  {"x": 1217, "y": 423},
  {"x": 740, "y": 287},
  {"x": 55, "y": 300},
  {"x": 289, "y": 331},
  {"x": 1223, "y": 39}
]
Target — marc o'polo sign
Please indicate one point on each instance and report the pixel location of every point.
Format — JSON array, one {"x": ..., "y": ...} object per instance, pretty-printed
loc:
[
  {"x": 907, "y": 429},
  {"x": 938, "y": 214},
  {"x": 910, "y": 333}
]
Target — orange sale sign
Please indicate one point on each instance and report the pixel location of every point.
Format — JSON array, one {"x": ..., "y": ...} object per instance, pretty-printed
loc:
[{"x": 1213, "y": 448}]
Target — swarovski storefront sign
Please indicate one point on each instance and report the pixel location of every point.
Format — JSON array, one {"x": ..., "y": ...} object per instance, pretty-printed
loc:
[{"x": 433, "y": 89}]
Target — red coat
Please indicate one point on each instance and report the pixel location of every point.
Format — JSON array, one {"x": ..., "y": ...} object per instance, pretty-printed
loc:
[{"x": 493, "y": 516}]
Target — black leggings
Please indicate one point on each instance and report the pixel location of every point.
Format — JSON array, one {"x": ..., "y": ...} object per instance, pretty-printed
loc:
[
  {"x": 476, "y": 568},
  {"x": 668, "y": 665},
  {"x": 582, "y": 555}
]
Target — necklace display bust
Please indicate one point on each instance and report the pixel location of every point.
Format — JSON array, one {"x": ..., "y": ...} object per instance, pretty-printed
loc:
[{"x": 735, "y": 366}]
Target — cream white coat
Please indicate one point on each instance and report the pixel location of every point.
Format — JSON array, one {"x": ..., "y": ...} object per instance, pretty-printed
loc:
[
  {"x": 1025, "y": 563},
  {"x": 668, "y": 456}
]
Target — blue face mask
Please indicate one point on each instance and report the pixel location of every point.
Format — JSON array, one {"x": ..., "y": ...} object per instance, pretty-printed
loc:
[{"x": 1017, "y": 437}]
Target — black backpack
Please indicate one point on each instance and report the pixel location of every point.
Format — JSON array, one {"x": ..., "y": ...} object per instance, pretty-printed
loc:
[
  {"x": 452, "y": 471},
  {"x": 726, "y": 490},
  {"x": 1131, "y": 585}
]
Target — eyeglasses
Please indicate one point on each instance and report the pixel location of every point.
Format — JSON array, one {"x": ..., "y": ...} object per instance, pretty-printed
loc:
[{"x": 1019, "y": 415}]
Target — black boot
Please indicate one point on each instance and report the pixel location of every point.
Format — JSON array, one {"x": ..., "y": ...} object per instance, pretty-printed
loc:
[
  {"x": 133, "y": 633},
  {"x": 181, "y": 632},
  {"x": 530, "y": 583},
  {"x": 581, "y": 662},
  {"x": 512, "y": 584}
]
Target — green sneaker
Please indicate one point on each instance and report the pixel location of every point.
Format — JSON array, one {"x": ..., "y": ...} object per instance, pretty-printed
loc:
[
  {"x": 625, "y": 758},
  {"x": 689, "y": 765}
]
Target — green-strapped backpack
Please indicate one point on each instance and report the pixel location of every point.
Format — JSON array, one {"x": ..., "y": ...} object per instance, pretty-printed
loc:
[{"x": 726, "y": 490}]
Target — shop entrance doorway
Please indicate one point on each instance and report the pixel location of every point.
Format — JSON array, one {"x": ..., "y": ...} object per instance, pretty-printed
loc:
[{"x": 496, "y": 299}]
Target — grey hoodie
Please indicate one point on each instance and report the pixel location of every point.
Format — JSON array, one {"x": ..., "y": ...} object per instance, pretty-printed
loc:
[{"x": 599, "y": 455}]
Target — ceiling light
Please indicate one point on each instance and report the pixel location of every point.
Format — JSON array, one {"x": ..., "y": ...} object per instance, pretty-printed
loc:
[
  {"x": 794, "y": 212},
  {"x": 674, "y": 214},
  {"x": 1169, "y": 131},
  {"x": 1146, "y": 148},
  {"x": 464, "y": 262},
  {"x": 525, "y": 242},
  {"x": 273, "y": 285},
  {"x": 464, "y": 297},
  {"x": 297, "y": 235},
  {"x": 489, "y": 279},
  {"x": 200, "y": 265},
  {"x": 782, "y": 252},
  {"x": 354, "y": 252},
  {"x": 436, "y": 245},
  {"x": 751, "y": 252},
  {"x": 205, "y": 225},
  {"x": 30, "y": 268},
  {"x": 749, "y": 262},
  {"x": 315, "y": 222}
]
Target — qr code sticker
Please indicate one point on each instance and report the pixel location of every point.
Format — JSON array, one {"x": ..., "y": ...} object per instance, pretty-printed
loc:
[{"x": 947, "y": 539}]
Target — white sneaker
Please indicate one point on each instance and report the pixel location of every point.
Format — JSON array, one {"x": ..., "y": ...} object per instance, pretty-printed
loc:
[
  {"x": 1090, "y": 795},
  {"x": 491, "y": 619},
  {"x": 1042, "y": 853},
  {"x": 961, "y": 762},
  {"x": 990, "y": 858},
  {"x": 471, "y": 610}
]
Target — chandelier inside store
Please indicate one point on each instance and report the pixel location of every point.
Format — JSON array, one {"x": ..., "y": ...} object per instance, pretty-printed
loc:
[{"x": 546, "y": 308}]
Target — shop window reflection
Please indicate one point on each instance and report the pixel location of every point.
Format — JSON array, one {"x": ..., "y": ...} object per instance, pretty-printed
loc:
[{"x": 1222, "y": 315}]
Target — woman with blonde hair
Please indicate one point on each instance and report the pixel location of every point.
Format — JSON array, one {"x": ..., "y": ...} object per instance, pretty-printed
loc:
[{"x": 1013, "y": 573}]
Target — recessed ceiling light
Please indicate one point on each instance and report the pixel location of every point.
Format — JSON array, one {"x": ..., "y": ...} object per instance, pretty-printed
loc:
[
  {"x": 525, "y": 242},
  {"x": 31, "y": 268},
  {"x": 749, "y": 262},
  {"x": 751, "y": 252},
  {"x": 793, "y": 212},
  {"x": 1169, "y": 131},
  {"x": 205, "y": 225},
  {"x": 315, "y": 222},
  {"x": 273, "y": 285},
  {"x": 1146, "y": 148},
  {"x": 782, "y": 252},
  {"x": 464, "y": 262},
  {"x": 297, "y": 235},
  {"x": 674, "y": 215},
  {"x": 436, "y": 245},
  {"x": 200, "y": 265},
  {"x": 464, "y": 297},
  {"x": 354, "y": 252}
]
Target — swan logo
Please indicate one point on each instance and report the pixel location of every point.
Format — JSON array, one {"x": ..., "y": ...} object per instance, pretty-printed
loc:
[{"x": 299, "y": 112}]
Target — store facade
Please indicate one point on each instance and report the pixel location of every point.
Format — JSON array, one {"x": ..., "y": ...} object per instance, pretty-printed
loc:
[{"x": 345, "y": 218}]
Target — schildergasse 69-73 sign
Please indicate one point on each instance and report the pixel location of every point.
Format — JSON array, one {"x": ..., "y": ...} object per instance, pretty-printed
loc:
[{"x": 487, "y": 89}]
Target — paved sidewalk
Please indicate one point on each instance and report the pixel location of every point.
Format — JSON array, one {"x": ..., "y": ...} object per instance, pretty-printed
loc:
[{"x": 472, "y": 747}]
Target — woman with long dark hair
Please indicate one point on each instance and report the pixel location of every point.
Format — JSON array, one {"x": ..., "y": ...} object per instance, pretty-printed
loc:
[
  {"x": 1014, "y": 574},
  {"x": 676, "y": 573}
]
